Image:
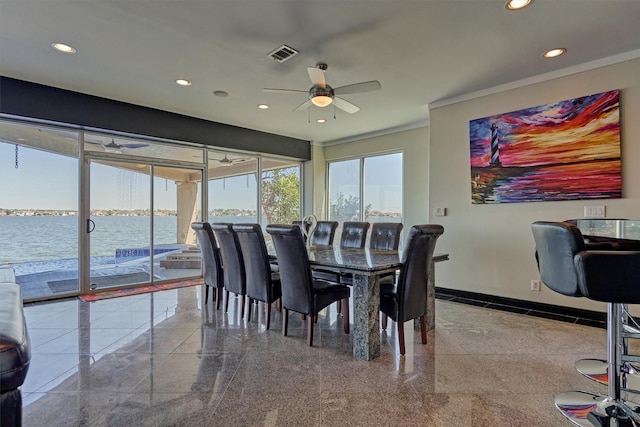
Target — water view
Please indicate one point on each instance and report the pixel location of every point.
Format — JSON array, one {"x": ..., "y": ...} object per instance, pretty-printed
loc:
[{"x": 43, "y": 250}]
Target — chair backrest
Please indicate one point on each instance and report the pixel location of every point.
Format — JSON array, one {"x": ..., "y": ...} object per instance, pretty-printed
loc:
[
  {"x": 306, "y": 227},
  {"x": 385, "y": 235},
  {"x": 293, "y": 264},
  {"x": 211, "y": 263},
  {"x": 256, "y": 261},
  {"x": 324, "y": 232},
  {"x": 232, "y": 262},
  {"x": 414, "y": 273},
  {"x": 556, "y": 245},
  {"x": 354, "y": 234}
]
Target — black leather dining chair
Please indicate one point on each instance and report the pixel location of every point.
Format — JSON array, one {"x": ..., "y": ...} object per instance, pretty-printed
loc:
[
  {"x": 384, "y": 236},
  {"x": 300, "y": 292},
  {"x": 211, "y": 263},
  {"x": 324, "y": 233},
  {"x": 232, "y": 263},
  {"x": 407, "y": 299},
  {"x": 262, "y": 284},
  {"x": 306, "y": 228},
  {"x": 354, "y": 235},
  {"x": 569, "y": 267}
]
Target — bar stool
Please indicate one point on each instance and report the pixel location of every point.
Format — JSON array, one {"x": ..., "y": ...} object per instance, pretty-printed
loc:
[{"x": 613, "y": 277}]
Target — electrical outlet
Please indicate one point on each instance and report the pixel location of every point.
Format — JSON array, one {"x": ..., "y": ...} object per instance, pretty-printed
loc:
[
  {"x": 535, "y": 285},
  {"x": 441, "y": 211}
]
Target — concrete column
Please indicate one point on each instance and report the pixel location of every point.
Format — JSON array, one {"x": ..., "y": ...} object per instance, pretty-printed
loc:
[{"x": 187, "y": 194}]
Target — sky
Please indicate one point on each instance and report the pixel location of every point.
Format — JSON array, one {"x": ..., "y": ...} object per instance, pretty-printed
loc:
[
  {"x": 49, "y": 181},
  {"x": 570, "y": 131}
]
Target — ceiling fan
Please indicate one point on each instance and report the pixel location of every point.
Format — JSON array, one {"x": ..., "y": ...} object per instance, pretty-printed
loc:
[
  {"x": 322, "y": 95},
  {"x": 225, "y": 161}
]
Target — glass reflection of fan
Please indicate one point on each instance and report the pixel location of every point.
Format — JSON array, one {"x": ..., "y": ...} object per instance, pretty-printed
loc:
[
  {"x": 114, "y": 147},
  {"x": 225, "y": 161}
]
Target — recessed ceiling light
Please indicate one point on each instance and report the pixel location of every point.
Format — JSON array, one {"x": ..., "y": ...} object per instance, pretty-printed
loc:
[
  {"x": 63, "y": 47},
  {"x": 263, "y": 106},
  {"x": 183, "y": 82},
  {"x": 554, "y": 52},
  {"x": 221, "y": 93},
  {"x": 322, "y": 120},
  {"x": 517, "y": 4}
]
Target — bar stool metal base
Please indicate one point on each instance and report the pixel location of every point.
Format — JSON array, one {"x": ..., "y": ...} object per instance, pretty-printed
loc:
[
  {"x": 596, "y": 370},
  {"x": 587, "y": 409}
]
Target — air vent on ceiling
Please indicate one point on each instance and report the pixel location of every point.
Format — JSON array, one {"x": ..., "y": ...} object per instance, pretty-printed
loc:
[{"x": 283, "y": 53}]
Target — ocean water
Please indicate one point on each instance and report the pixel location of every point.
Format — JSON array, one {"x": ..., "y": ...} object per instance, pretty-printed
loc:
[{"x": 44, "y": 243}]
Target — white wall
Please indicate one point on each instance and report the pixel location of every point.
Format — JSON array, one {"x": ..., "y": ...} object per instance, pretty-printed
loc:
[{"x": 491, "y": 246}]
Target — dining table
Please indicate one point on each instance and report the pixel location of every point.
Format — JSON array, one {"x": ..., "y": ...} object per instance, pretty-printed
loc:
[{"x": 366, "y": 266}]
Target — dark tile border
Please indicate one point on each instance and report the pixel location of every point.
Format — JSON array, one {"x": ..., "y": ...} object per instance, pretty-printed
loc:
[{"x": 548, "y": 311}]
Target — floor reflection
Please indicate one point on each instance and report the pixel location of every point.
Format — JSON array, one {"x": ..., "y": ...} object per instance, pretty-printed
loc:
[{"x": 164, "y": 358}]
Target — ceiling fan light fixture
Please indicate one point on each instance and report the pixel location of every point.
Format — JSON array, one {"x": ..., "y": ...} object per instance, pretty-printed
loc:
[
  {"x": 322, "y": 100},
  {"x": 517, "y": 4}
]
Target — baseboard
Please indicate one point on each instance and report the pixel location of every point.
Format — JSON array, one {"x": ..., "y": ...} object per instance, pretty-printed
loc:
[{"x": 529, "y": 308}]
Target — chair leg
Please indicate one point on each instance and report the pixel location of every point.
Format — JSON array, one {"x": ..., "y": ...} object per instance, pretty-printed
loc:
[
  {"x": 250, "y": 308},
  {"x": 339, "y": 307},
  {"x": 401, "y": 336},
  {"x": 242, "y": 298},
  {"x": 345, "y": 315},
  {"x": 384, "y": 321},
  {"x": 206, "y": 293},
  {"x": 285, "y": 321},
  {"x": 310, "y": 330},
  {"x": 226, "y": 301},
  {"x": 219, "y": 297},
  {"x": 423, "y": 328},
  {"x": 268, "y": 314}
]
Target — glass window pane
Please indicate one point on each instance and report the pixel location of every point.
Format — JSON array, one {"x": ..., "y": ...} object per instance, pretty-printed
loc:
[
  {"x": 141, "y": 148},
  {"x": 176, "y": 199},
  {"x": 39, "y": 207},
  {"x": 383, "y": 188},
  {"x": 344, "y": 190},
  {"x": 280, "y": 191},
  {"x": 233, "y": 188}
]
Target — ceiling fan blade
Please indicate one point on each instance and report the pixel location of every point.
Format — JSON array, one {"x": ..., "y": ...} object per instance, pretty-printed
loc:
[
  {"x": 345, "y": 105},
  {"x": 137, "y": 145},
  {"x": 358, "y": 88},
  {"x": 303, "y": 106},
  {"x": 284, "y": 90},
  {"x": 317, "y": 76}
]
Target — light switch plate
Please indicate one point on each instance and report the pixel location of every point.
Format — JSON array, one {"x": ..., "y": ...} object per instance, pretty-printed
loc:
[
  {"x": 441, "y": 211},
  {"x": 594, "y": 211}
]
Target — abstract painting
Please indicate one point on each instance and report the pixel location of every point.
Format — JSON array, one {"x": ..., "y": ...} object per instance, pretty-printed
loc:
[{"x": 568, "y": 150}]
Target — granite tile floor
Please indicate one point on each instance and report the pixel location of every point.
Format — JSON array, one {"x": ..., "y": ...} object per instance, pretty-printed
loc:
[{"x": 161, "y": 359}]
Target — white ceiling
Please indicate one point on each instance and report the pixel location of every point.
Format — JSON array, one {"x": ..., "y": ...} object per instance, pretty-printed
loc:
[{"x": 422, "y": 52}]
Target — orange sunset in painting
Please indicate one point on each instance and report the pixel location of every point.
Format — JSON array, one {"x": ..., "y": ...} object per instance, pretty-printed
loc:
[{"x": 564, "y": 151}]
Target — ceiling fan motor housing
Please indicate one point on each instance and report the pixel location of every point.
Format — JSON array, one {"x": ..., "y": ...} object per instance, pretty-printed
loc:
[{"x": 317, "y": 91}]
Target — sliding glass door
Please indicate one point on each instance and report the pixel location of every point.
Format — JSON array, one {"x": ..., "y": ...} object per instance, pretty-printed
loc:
[
  {"x": 143, "y": 198},
  {"x": 119, "y": 224}
]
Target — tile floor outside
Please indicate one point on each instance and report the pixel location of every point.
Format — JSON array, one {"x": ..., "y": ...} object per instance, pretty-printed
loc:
[{"x": 161, "y": 359}]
